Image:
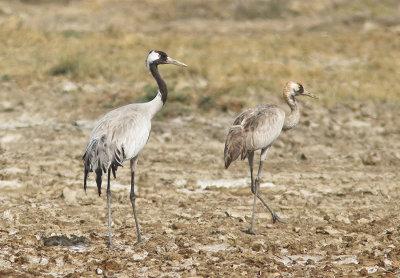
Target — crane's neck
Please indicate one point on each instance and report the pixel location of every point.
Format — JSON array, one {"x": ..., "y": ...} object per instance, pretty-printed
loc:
[
  {"x": 162, "y": 87},
  {"x": 293, "y": 118}
]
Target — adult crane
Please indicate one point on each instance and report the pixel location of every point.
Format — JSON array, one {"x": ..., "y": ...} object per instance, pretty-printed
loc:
[
  {"x": 121, "y": 134},
  {"x": 257, "y": 128}
]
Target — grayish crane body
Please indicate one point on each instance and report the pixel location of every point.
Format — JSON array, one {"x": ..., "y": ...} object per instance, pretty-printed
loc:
[
  {"x": 121, "y": 134},
  {"x": 256, "y": 129}
]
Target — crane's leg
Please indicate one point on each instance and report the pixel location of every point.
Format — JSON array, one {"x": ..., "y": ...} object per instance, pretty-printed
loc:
[
  {"x": 132, "y": 197},
  {"x": 275, "y": 217},
  {"x": 110, "y": 244},
  {"x": 250, "y": 230},
  {"x": 250, "y": 157}
]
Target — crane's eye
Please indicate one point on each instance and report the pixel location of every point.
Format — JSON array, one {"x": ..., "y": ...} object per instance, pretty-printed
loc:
[{"x": 301, "y": 89}]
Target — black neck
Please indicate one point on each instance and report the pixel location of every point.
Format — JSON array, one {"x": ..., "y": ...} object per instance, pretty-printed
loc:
[{"x": 160, "y": 82}]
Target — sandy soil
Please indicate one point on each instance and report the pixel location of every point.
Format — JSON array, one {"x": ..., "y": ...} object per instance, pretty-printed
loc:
[{"x": 334, "y": 179}]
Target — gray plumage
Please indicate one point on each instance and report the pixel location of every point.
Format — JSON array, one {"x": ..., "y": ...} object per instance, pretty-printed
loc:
[
  {"x": 118, "y": 136},
  {"x": 253, "y": 129},
  {"x": 256, "y": 129},
  {"x": 99, "y": 156},
  {"x": 121, "y": 134}
]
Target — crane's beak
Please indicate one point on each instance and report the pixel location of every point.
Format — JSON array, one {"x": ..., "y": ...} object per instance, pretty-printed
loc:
[
  {"x": 175, "y": 62},
  {"x": 306, "y": 93}
]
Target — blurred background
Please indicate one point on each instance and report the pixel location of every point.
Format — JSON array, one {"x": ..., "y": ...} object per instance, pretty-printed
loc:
[{"x": 239, "y": 53}]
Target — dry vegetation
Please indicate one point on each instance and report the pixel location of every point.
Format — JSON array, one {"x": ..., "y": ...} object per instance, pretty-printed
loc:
[
  {"x": 65, "y": 62},
  {"x": 234, "y": 48}
]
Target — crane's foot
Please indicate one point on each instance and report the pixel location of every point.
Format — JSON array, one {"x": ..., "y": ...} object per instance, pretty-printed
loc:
[
  {"x": 111, "y": 245},
  {"x": 249, "y": 230},
  {"x": 139, "y": 240},
  {"x": 275, "y": 218}
]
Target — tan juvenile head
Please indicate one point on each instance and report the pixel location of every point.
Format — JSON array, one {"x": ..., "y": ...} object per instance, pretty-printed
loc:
[{"x": 293, "y": 89}]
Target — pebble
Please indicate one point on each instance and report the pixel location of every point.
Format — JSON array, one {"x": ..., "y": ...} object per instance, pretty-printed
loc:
[
  {"x": 11, "y": 171},
  {"x": 363, "y": 272},
  {"x": 13, "y": 232},
  {"x": 177, "y": 226},
  {"x": 343, "y": 219},
  {"x": 140, "y": 256},
  {"x": 257, "y": 246},
  {"x": 7, "y": 215},
  {"x": 372, "y": 158},
  {"x": 69, "y": 196},
  {"x": 69, "y": 86}
]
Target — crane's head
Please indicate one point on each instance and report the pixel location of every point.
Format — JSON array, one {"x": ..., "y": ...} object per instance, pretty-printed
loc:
[
  {"x": 294, "y": 89},
  {"x": 157, "y": 57}
]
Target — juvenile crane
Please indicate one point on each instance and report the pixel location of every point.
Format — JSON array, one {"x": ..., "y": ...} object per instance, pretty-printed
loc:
[
  {"x": 257, "y": 128},
  {"x": 121, "y": 134}
]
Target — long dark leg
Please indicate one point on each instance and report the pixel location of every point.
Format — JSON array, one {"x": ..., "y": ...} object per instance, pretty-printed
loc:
[
  {"x": 275, "y": 217},
  {"x": 132, "y": 197},
  {"x": 250, "y": 230},
  {"x": 110, "y": 244},
  {"x": 250, "y": 157}
]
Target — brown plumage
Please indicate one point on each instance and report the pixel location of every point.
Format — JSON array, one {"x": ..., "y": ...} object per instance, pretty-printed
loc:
[
  {"x": 242, "y": 135},
  {"x": 234, "y": 145},
  {"x": 257, "y": 128}
]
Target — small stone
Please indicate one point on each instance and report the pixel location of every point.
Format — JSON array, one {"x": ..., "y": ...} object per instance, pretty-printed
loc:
[
  {"x": 13, "y": 232},
  {"x": 364, "y": 221},
  {"x": 7, "y": 215},
  {"x": 343, "y": 219},
  {"x": 60, "y": 261},
  {"x": 63, "y": 240},
  {"x": 177, "y": 226},
  {"x": 369, "y": 159},
  {"x": 69, "y": 86},
  {"x": 257, "y": 246},
  {"x": 43, "y": 261},
  {"x": 11, "y": 171},
  {"x": 99, "y": 271},
  {"x": 140, "y": 256},
  {"x": 370, "y": 26},
  {"x": 321, "y": 230},
  {"x": 89, "y": 88},
  {"x": 363, "y": 272},
  {"x": 69, "y": 196},
  {"x": 296, "y": 229}
]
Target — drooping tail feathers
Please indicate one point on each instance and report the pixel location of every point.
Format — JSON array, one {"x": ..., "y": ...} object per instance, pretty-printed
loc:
[
  {"x": 235, "y": 145},
  {"x": 100, "y": 155}
]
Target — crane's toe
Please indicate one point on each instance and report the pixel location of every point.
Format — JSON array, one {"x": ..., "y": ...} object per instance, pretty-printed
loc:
[
  {"x": 111, "y": 245},
  {"x": 275, "y": 218},
  {"x": 139, "y": 241},
  {"x": 250, "y": 231}
]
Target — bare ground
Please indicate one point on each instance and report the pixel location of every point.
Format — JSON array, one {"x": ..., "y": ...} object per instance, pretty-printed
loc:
[{"x": 334, "y": 179}]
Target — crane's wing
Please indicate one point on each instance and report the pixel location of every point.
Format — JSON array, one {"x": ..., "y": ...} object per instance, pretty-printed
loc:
[
  {"x": 235, "y": 143},
  {"x": 262, "y": 126},
  {"x": 120, "y": 135}
]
